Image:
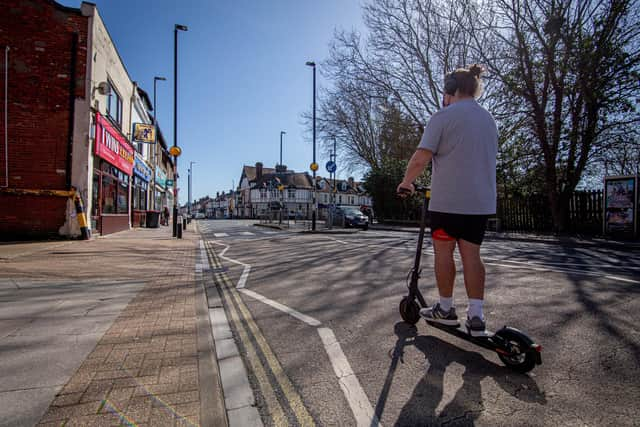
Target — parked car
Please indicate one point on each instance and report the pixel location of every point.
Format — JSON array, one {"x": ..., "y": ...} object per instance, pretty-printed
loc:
[
  {"x": 199, "y": 215},
  {"x": 350, "y": 216}
]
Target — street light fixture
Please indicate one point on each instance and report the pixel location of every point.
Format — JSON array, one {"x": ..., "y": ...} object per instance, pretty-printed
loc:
[
  {"x": 281, "y": 133},
  {"x": 175, "y": 124},
  {"x": 155, "y": 137},
  {"x": 314, "y": 165}
]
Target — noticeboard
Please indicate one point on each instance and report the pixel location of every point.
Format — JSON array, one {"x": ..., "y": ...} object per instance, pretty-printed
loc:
[{"x": 620, "y": 205}]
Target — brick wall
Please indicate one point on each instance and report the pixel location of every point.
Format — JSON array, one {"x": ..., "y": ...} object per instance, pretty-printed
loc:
[{"x": 40, "y": 34}]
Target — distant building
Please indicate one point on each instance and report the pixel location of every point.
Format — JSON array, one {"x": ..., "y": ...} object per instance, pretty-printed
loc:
[{"x": 259, "y": 192}]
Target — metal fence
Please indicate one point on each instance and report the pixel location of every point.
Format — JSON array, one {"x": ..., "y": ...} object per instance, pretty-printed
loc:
[{"x": 531, "y": 213}]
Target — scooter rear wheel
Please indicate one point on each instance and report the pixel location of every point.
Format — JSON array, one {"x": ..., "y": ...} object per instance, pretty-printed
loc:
[
  {"x": 521, "y": 360},
  {"x": 409, "y": 310}
]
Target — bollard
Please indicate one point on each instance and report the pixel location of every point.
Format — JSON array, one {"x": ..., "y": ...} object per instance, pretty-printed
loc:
[
  {"x": 82, "y": 218},
  {"x": 184, "y": 223},
  {"x": 179, "y": 231}
]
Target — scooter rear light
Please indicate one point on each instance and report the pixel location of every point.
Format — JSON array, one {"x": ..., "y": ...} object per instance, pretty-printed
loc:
[{"x": 537, "y": 347}]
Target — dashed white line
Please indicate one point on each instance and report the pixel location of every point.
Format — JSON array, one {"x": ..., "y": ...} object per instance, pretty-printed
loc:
[{"x": 220, "y": 234}]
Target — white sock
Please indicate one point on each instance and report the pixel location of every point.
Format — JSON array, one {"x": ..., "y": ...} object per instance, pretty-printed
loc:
[
  {"x": 446, "y": 303},
  {"x": 475, "y": 308}
]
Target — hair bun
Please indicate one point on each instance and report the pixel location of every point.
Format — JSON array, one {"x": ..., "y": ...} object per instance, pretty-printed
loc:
[{"x": 476, "y": 70}]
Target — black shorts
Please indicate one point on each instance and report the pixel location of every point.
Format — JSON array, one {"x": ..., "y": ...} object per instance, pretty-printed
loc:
[{"x": 458, "y": 226}]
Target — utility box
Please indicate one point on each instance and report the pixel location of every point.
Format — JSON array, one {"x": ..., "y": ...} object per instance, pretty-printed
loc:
[{"x": 621, "y": 205}]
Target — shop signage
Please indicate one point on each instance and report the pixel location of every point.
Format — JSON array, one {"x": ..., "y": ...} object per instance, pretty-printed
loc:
[
  {"x": 140, "y": 169},
  {"x": 620, "y": 203},
  {"x": 143, "y": 132},
  {"x": 112, "y": 146},
  {"x": 161, "y": 178},
  {"x": 169, "y": 183}
]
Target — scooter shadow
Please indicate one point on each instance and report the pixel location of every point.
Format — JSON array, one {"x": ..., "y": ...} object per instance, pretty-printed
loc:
[{"x": 467, "y": 403}]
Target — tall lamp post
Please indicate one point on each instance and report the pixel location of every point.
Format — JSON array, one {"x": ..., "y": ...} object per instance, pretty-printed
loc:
[
  {"x": 281, "y": 133},
  {"x": 314, "y": 165},
  {"x": 177, "y": 28},
  {"x": 189, "y": 201},
  {"x": 155, "y": 138}
]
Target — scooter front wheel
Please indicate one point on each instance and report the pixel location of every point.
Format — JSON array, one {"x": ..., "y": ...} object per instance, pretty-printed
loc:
[
  {"x": 409, "y": 310},
  {"x": 521, "y": 359}
]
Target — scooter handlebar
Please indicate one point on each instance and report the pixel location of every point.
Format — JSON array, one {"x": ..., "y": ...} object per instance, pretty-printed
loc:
[{"x": 418, "y": 188}]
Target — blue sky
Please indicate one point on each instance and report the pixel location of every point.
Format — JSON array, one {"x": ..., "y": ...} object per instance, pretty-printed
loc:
[{"x": 241, "y": 79}]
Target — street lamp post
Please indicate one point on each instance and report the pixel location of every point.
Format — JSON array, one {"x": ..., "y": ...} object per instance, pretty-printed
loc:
[
  {"x": 334, "y": 158},
  {"x": 155, "y": 139},
  {"x": 313, "y": 214},
  {"x": 176, "y": 28},
  {"x": 189, "y": 201},
  {"x": 281, "y": 133}
]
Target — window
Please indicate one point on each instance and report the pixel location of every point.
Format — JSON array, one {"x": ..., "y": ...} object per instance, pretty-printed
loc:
[
  {"x": 109, "y": 187},
  {"x": 123, "y": 197},
  {"x": 114, "y": 105},
  {"x": 291, "y": 193}
]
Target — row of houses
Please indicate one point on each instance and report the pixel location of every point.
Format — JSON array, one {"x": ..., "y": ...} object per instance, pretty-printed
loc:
[
  {"x": 70, "y": 109},
  {"x": 262, "y": 191}
]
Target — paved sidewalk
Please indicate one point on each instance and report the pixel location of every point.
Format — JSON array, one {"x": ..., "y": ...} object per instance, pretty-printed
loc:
[{"x": 144, "y": 360}]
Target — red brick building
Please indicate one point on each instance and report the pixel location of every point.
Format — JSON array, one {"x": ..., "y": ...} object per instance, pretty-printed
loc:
[{"x": 44, "y": 68}]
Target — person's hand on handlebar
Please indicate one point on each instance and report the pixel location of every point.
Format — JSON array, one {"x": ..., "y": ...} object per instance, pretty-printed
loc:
[{"x": 405, "y": 189}]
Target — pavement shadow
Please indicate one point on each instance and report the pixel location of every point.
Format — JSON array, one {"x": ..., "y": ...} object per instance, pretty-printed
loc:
[{"x": 467, "y": 404}]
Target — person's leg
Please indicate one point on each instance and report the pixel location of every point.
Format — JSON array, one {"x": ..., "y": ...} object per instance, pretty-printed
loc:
[
  {"x": 474, "y": 277},
  {"x": 474, "y": 272},
  {"x": 445, "y": 270},
  {"x": 444, "y": 266}
]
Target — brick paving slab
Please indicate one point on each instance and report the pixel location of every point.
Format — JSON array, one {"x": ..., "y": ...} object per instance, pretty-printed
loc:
[{"x": 144, "y": 370}]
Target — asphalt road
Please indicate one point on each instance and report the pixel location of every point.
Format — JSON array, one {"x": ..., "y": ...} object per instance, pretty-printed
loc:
[{"x": 359, "y": 363}]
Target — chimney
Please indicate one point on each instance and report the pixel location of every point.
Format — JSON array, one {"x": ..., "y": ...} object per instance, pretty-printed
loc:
[
  {"x": 351, "y": 183},
  {"x": 281, "y": 168},
  {"x": 258, "y": 171}
]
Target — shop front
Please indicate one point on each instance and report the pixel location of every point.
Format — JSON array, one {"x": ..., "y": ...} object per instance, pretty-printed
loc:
[
  {"x": 140, "y": 192},
  {"x": 160, "y": 194},
  {"x": 113, "y": 166}
]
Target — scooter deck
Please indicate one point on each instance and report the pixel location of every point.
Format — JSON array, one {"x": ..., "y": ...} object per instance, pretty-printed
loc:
[{"x": 461, "y": 332}]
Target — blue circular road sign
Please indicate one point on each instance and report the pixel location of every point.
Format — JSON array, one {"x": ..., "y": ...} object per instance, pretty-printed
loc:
[{"x": 331, "y": 166}]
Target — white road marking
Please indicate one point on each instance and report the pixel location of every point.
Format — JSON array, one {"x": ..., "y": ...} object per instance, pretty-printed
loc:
[
  {"x": 622, "y": 279},
  {"x": 306, "y": 319},
  {"x": 349, "y": 384},
  {"x": 246, "y": 267},
  {"x": 247, "y": 233},
  {"x": 220, "y": 234},
  {"x": 353, "y": 392}
]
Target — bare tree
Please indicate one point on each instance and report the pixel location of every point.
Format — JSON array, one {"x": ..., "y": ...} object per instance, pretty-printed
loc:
[
  {"x": 570, "y": 71},
  {"x": 393, "y": 76}
]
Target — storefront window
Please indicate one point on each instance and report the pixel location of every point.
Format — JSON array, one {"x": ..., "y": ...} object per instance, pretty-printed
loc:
[
  {"x": 123, "y": 197},
  {"x": 109, "y": 193},
  {"x": 139, "y": 194},
  {"x": 95, "y": 194},
  {"x": 159, "y": 200}
]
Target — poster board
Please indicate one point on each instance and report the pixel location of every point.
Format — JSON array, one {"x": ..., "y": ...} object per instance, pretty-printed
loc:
[{"x": 620, "y": 205}]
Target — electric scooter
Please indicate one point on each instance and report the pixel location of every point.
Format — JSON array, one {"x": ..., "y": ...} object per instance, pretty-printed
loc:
[{"x": 515, "y": 349}]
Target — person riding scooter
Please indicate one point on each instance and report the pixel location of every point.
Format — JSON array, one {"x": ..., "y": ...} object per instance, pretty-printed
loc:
[{"x": 461, "y": 143}]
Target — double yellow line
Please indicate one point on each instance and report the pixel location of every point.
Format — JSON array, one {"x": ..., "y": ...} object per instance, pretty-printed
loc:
[{"x": 247, "y": 329}]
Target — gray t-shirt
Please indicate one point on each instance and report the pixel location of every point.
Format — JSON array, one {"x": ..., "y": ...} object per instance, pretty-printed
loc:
[{"x": 463, "y": 138}]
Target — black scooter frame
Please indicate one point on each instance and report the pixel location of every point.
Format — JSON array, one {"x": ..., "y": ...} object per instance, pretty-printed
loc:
[{"x": 508, "y": 342}]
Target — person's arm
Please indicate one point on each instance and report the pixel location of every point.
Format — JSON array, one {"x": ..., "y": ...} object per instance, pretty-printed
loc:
[{"x": 416, "y": 166}]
